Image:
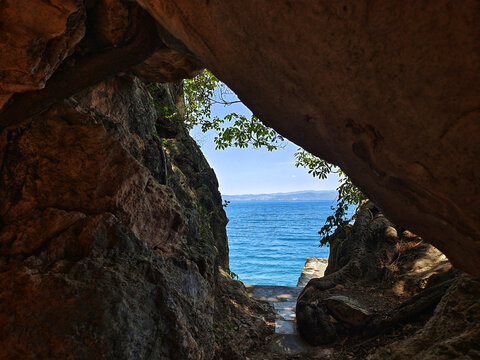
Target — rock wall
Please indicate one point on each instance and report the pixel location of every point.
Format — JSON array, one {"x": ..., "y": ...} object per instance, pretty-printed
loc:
[
  {"x": 105, "y": 252},
  {"x": 110, "y": 244},
  {"x": 390, "y": 92},
  {"x": 388, "y": 294},
  {"x": 37, "y": 36}
]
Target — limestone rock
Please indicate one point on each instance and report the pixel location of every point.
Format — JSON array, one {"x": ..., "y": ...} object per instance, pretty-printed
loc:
[
  {"x": 324, "y": 320},
  {"x": 314, "y": 268},
  {"x": 237, "y": 332},
  {"x": 108, "y": 303},
  {"x": 120, "y": 36},
  {"x": 99, "y": 258},
  {"x": 390, "y": 231},
  {"x": 112, "y": 21},
  {"x": 140, "y": 202},
  {"x": 115, "y": 22},
  {"x": 122, "y": 100},
  {"x": 36, "y": 37},
  {"x": 347, "y": 310},
  {"x": 168, "y": 65},
  {"x": 193, "y": 181},
  {"x": 383, "y": 84},
  {"x": 368, "y": 276},
  {"x": 388, "y": 91},
  {"x": 314, "y": 323},
  {"x": 84, "y": 279}
]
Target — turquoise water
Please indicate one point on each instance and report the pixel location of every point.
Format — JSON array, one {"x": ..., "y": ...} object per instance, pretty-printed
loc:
[{"x": 270, "y": 240}]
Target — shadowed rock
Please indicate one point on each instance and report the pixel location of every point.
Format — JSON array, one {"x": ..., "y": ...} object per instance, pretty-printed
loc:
[
  {"x": 390, "y": 92},
  {"x": 347, "y": 310},
  {"x": 99, "y": 258}
]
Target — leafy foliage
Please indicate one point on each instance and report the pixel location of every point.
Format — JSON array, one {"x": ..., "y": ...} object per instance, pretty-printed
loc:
[
  {"x": 165, "y": 109},
  {"x": 204, "y": 91},
  {"x": 347, "y": 193},
  {"x": 231, "y": 274}
]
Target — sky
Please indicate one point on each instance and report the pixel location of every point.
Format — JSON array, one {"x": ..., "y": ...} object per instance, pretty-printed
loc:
[{"x": 256, "y": 171}]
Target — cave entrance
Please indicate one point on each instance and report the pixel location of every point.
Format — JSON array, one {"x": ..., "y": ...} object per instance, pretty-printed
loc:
[{"x": 275, "y": 209}]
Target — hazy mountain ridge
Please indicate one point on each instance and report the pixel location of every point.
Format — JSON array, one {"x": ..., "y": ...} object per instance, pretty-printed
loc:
[{"x": 286, "y": 196}]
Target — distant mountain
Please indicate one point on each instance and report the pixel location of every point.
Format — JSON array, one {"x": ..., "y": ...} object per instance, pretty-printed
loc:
[{"x": 287, "y": 196}]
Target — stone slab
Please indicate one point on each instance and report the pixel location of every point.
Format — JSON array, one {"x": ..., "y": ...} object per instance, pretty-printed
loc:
[
  {"x": 314, "y": 268},
  {"x": 273, "y": 293},
  {"x": 283, "y": 299}
]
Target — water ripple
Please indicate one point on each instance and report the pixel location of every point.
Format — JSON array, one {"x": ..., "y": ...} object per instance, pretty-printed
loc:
[{"x": 270, "y": 240}]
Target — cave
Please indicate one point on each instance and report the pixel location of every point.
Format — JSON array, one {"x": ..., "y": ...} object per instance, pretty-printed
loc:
[{"x": 104, "y": 252}]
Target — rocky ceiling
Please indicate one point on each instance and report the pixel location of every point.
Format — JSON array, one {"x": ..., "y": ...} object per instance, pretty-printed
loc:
[{"x": 390, "y": 91}]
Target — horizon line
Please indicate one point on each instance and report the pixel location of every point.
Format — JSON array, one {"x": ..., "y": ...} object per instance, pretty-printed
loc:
[{"x": 284, "y": 192}]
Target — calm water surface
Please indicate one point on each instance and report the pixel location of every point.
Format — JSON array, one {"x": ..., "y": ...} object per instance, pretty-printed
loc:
[{"x": 270, "y": 240}]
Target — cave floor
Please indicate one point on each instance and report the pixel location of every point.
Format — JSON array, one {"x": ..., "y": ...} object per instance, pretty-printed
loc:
[{"x": 285, "y": 343}]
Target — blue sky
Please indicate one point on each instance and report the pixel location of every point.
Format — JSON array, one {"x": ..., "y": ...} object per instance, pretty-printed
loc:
[{"x": 254, "y": 171}]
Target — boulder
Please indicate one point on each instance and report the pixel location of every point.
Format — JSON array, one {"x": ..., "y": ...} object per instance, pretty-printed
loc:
[
  {"x": 314, "y": 268},
  {"x": 374, "y": 281},
  {"x": 326, "y": 320},
  {"x": 347, "y": 310}
]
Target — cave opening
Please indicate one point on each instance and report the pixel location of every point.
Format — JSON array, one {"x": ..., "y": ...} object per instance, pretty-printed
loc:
[
  {"x": 275, "y": 207},
  {"x": 112, "y": 231}
]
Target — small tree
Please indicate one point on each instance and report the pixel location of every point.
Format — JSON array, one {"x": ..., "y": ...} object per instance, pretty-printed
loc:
[
  {"x": 237, "y": 130},
  {"x": 204, "y": 91},
  {"x": 347, "y": 193}
]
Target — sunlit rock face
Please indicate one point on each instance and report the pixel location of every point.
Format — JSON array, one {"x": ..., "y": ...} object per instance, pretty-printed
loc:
[{"x": 388, "y": 91}]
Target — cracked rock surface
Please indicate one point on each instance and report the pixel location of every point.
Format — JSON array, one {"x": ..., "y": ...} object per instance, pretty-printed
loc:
[{"x": 101, "y": 256}]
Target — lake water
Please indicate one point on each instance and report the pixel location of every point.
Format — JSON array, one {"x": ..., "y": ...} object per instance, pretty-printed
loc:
[{"x": 270, "y": 240}]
